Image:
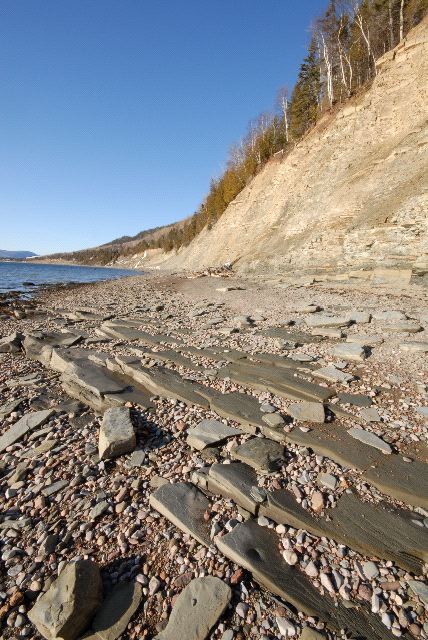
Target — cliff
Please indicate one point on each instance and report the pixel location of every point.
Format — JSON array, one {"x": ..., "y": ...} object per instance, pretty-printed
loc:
[{"x": 352, "y": 194}]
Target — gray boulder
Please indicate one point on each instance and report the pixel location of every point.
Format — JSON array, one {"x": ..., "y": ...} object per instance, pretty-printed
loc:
[
  {"x": 67, "y": 608},
  {"x": 117, "y": 435}
]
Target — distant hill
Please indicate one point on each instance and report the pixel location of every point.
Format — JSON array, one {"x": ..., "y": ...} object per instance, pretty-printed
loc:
[{"x": 16, "y": 254}]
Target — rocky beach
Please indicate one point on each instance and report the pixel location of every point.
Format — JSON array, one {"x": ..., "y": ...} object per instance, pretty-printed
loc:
[{"x": 209, "y": 455}]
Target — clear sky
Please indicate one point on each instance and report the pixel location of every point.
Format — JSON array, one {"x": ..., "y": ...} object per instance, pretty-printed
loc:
[{"x": 116, "y": 114}]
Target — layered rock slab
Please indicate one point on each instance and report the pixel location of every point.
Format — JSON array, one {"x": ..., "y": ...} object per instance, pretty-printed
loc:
[
  {"x": 260, "y": 453},
  {"x": 184, "y": 505},
  {"x": 197, "y": 609},
  {"x": 391, "y": 474},
  {"x": 234, "y": 481},
  {"x": 256, "y": 549},
  {"x": 370, "y": 529},
  {"x": 209, "y": 433},
  {"x": 163, "y": 382},
  {"x": 27, "y": 423},
  {"x": 276, "y": 380}
]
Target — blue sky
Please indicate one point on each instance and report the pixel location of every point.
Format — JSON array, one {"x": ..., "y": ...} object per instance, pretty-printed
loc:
[{"x": 117, "y": 114}]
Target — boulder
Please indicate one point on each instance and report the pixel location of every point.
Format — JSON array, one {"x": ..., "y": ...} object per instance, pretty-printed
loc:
[
  {"x": 117, "y": 435},
  {"x": 11, "y": 343},
  {"x": 67, "y": 608},
  {"x": 197, "y": 609}
]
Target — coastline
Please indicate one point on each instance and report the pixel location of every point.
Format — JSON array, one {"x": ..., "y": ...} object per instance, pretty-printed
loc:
[{"x": 181, "y": 331}]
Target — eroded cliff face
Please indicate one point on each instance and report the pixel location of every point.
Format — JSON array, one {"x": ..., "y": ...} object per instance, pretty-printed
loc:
[{"x": 352, "y": 194}]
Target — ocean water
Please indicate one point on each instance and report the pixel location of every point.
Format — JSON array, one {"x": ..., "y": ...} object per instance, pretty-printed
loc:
[{"x": 14, "y": 275}]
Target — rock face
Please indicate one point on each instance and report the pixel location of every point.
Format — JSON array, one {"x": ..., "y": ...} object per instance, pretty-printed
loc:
[
  {"x": 117, "y": 435},
  {"x": 67, "y": 608},
  {"x": 197, "y": 609},
  {"x": 352, "y": 192}
]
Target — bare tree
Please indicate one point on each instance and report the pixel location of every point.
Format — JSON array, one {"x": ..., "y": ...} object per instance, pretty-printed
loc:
[
  {"x": 326, "y": 56},
  {"x": 283, "y": 103},
  {"x": 365, "y": 33},
  {"x": 344, "y": 58},
  {"x": 401, "y": 20},
  {"x": 391, "y": 24}
]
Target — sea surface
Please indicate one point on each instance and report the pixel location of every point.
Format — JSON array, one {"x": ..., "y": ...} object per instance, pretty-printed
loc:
[{"x": 16, "y": 276}]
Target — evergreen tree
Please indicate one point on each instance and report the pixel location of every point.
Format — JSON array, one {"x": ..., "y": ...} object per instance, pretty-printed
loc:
[{"x": 305, "y": 97}]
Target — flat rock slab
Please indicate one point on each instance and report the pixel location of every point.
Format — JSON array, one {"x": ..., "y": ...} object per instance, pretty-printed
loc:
[
  {"x": 328, "y": 332},
  {"x": 371, "y": 529},
  {"x": 117, "y": 435},
  {"x": 67, "y": 608},
  {"x": 350, "y": 351},
  {"x": 170, "y": 356},
  {"x": 209, "y": 433},
  {"x": 331, "y": 374},
  {"x": 403, "y": 327},
  {"x": 184, "y": 505},
  {"x": 27, "y": 423},
  {"x": 234, "y": 481},
  {"x": 240, "y": 407},
  {"x": 414, "y": 347},
  {"x": 256, "y": 549},
  {"x": 355, "y": 399},
  {"x": 9, "y": 407},
  {"x": 323, "y": 320},
  {"x": 116, "y": 611},
  {"x": 283, "y": 333},
  {"x": 367, "y": 340},
  {"x": 163, "y": 382},
  {"x": 404, "y": 481},
  {"x": 276, "y": 380},
  {"x": 129, "y": 333},
  {"x": 92, "y": 378},
  {"x": 260, "y": 453},
  {"x": 370, "y": 438},
  {"x": 197, "y": 609},
  {"x": 308, "y": 412}
]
